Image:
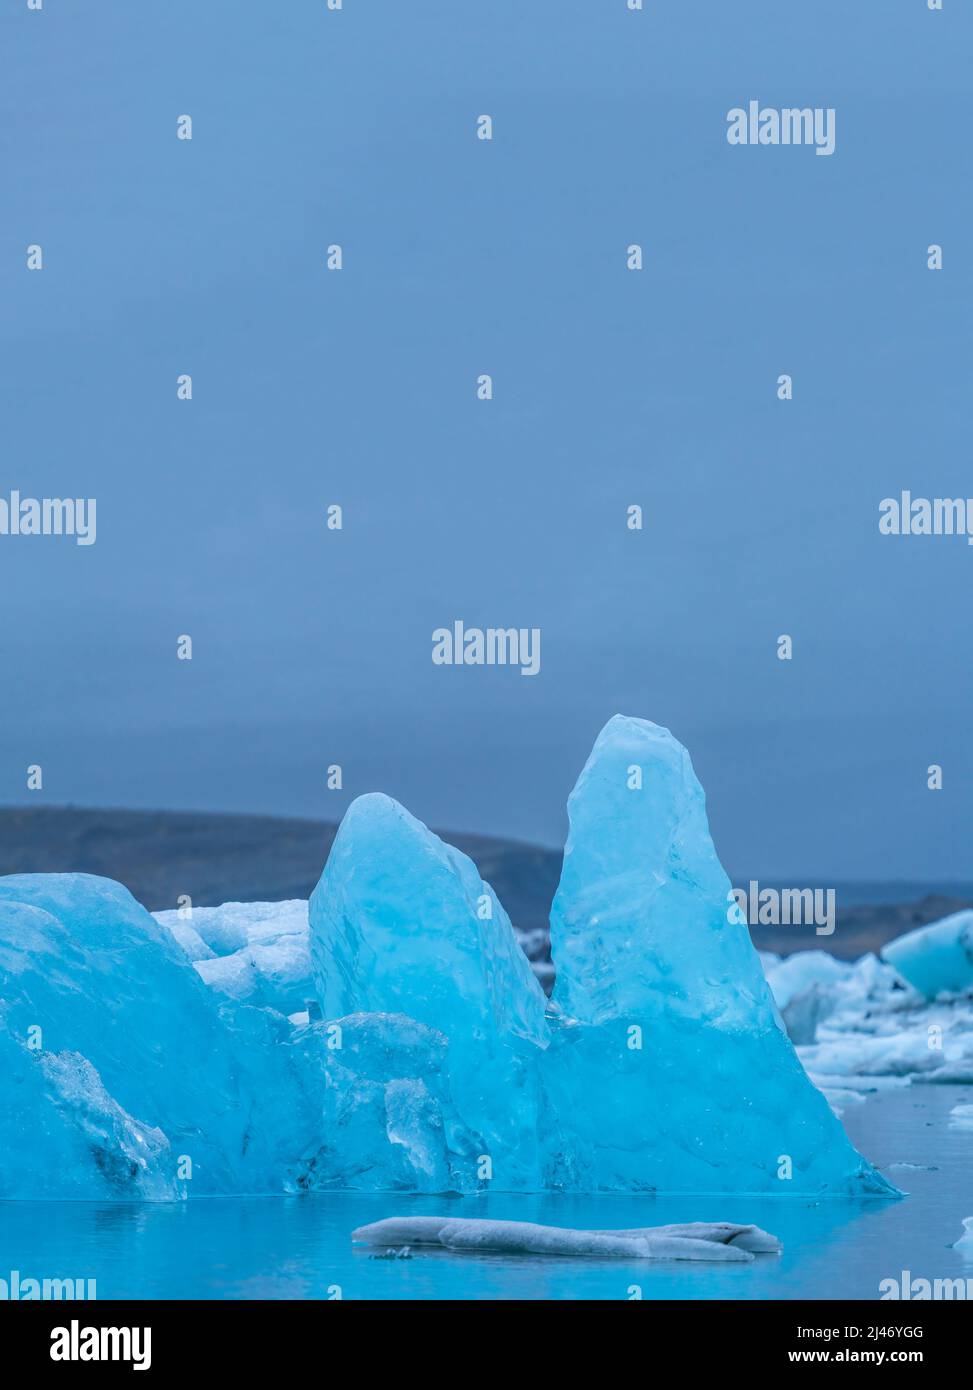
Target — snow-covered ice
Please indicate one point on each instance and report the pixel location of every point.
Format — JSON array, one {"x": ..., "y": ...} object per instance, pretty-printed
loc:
[
  {"x": 258, "y": 953},
  {"x": 694, "y": 1241}
]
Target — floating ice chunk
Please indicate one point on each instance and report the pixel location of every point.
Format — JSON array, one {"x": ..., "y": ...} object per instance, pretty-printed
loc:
[
  {"x": 937, "y": 959},
  {"x": 810, "y": 986},
  {"x": 880, "y": 1030},
  {"x": 871, "y": 979},
  {"x": 857, "y": 1054},
  {"x": 801, "y": 971},
  {"x": 670, "y": 1068},
  {"x": 698, "y": 1241},
  {"x": 949, "y": 1074},
  {"x": 723, "y": 1232},
  {"x": 965, "y": 1242},
  {"x": 411, "y": 1230},
  {"x": 804, "y": 1013},
  {"x": 961, "y": 1117},
  {"x": 515, "y": 1237},
  {"x": 402, "y": 923}
]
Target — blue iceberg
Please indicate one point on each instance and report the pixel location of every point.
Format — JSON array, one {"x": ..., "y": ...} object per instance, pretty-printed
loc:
[
  {"x": 391, "y": 1035},
  {"x": 937, "y": 959},
  {"x": 670, "y": 1063}
]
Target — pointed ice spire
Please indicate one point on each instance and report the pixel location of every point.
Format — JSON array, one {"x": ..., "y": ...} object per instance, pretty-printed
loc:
[
  {"x": 673, "y": 1071},
  {"x": 402, "y": 923},
  {"x": 643, "y": 918}
]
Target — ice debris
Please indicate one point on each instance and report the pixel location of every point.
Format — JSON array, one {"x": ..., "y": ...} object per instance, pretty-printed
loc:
[{"x": 872, "y": 1030}]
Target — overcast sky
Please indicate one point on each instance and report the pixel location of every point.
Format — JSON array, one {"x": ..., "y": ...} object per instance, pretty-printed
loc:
[{"x": 611, "y": 388}]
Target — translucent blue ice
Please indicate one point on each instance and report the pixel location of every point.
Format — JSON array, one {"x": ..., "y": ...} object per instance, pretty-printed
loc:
[
  {"x": 157, "y": 1059},
  {"x": 402, "y": 923},
  {"x": 119, "y": 1072},
  {"x": 671, "y": 1069},
  {"x": 379, "y": 1105},
  {"x": 937, "y": 959}
]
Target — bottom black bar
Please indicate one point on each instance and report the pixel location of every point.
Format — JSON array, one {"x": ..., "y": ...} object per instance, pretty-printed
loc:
[{"x": 168, "y": 1337}]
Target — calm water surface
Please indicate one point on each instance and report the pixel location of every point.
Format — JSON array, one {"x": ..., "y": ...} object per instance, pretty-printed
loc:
[{"x": 299, "y": 1247}]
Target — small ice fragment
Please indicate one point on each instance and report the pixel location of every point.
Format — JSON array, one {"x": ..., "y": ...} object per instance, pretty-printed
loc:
[{"x": 965, "y": 1242}]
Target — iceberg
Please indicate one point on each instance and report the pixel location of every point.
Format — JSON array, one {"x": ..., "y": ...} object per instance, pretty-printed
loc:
[
  {"x": 391, "y": 1035},
  {"x": 670, "y": 1059},
  {"x": 937, "y": 959}
]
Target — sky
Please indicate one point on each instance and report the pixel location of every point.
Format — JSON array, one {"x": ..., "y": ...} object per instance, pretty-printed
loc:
[{"x": 611, "y": 388}]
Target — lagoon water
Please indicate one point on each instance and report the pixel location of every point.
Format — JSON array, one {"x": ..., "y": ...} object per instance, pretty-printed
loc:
[{"x": 300, "y": 1247}]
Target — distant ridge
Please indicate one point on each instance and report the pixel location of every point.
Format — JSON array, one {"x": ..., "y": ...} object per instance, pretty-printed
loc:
[{"x": 216, "y": 858}]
